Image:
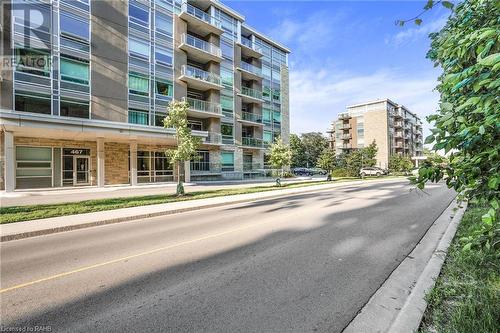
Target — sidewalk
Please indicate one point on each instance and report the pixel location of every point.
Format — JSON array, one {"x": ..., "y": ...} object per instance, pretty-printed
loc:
[
  {"x": 63, "y": 195},
  {"x": 33, "y": 228}
]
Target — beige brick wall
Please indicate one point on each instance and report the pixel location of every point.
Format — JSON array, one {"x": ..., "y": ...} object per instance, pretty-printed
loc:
[
  {"x": 2, "y": 162},
  {"x": 376, "y": 128},
  {"x": 42, "y": 142},
  {"x": 116, "y": 163}
]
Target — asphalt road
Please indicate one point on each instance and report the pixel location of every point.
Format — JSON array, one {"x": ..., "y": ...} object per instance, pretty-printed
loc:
[{"x": 294, "y": 264}]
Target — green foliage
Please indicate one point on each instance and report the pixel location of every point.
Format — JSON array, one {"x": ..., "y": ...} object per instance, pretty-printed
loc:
[
  {"x": 467, "y": 125},
  {"x": 428, "y": 6},
  {"x": 340, "y": 172},
  {"x": 187, "y": 144},
  {"x": 466, "y": 296},
  {"x": 358, "y": 158},
  {"x": 327, "y": 160},
  {"x": 400, "y": 163},
  {"x": 280, "y": 154},
  {"x": 298, "y": 152}
]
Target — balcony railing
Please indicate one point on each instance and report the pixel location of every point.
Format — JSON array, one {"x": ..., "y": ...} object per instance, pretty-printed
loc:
[
  {"x": 248, "y": 166},
  {"x": 398, "y": 134},
  {"x": 248, "y": 43},
  {"x": 200, "y": 74},
  {"x": 344, "y": 116},
  {"x": 201, "y": 15},
  {"x": 398, "y": 113},
  {"x": 398, "y": 124},
  {"x": 251, "y": 142},
  {"x": 251, "y": 92},
  {"x": 345, "y": 136},
  {"x": 345, "y": 126},
  {"x": 251, "y": 68},
  {"x": 227, "y": 139},
  {"x": 204, "y": 106},
  {"x": 248, "y": 116},
  {"x": 200, "y": 44},
  {"x": 214, "y": 138},
  {"x": 198, "y": 167}
]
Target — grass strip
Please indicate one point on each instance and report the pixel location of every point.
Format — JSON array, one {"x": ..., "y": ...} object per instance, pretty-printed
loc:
[
  {"x": 466, "y": 297},
  {"x": 34, "y": 212}
]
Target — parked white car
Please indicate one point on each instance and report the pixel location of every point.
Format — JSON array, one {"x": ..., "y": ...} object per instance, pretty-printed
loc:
[{"x": 371, "y": 171}]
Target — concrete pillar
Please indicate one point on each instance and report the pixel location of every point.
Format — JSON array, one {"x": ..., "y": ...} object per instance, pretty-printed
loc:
[
  {"x": 187, "y": 171},
  {"x": 133, "y": 163},
  {"x": 100, "y": 162},
  {"x": 9, "y": 158}
]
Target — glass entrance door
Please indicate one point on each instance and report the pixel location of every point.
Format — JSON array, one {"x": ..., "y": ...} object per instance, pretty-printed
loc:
[{"x": 81, "y": 170}]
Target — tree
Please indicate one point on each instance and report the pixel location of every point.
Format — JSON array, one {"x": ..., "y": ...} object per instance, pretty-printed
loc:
[
  {"x": 467, "y": 124},
  {"x": 187, "y": 144},
  {"x": 327, "y": 161},
  {"x": 298, "y": 152},
  {"x": 280, "y": 155},
  {"x": 359, "y": 158},
  {"x": 314, "y": 143},
  {"x": 400, "y": 163}
]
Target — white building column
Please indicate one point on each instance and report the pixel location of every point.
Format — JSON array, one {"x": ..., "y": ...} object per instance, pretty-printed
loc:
[
  {"x": 187, "y": 171},
  {"x": 133, "y": 163},
  {"x": 100, "y": 162},
  {"x": 9, "y": 162}
]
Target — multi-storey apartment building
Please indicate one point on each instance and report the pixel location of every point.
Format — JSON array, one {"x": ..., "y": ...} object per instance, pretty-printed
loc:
[
  {"x": 85, "y": 86},
  {"x": 392, "y": 126}
]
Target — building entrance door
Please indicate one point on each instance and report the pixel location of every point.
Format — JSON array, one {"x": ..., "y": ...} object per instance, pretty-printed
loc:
[{"x": 81, "y": 170}]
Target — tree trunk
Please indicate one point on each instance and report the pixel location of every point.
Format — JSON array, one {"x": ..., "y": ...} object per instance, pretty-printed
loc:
[{"x": 180, "y": 187}]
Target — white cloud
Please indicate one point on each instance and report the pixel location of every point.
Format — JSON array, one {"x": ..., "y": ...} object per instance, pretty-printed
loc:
[
  {"x": 411, "y": 34},
  {"x": 316, "y": 97}
]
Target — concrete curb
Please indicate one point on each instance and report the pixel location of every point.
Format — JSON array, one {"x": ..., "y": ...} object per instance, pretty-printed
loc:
[
  {"x": 229, "y": 200},
  {"x": 411, "y": 314},
  {"x": 398, "y": 304}
]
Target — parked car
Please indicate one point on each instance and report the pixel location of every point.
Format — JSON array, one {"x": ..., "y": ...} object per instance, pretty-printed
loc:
[
  {"x": 302, "y": 172},
  {"x": 318, "y": 171},
  {"x": 372, "y": 171}
]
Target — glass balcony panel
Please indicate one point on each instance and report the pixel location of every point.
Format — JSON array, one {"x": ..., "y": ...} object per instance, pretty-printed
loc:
[
  {"x": 251, "y": 68},
  {"x": 251, "y": 92},
  {"x": 200, "y": 105},
  {"x": 201, "y": 44},
  {"x": 251, "y": 142},
  {"x": 248, "y": 116},
  {"x": 201, "y": 15},
  {"x": 200, "y": 74}
]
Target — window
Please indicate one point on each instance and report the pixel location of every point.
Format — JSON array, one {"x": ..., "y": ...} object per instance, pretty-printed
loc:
[
  {"x": 227, "y": 161},
  {"x": 276, "y": 95},
  {"x": 138, "y": 84},
  {"x": 163, "y": 23},
  {"x": 163, "y": 168},
  {"x": 33, "y": 62},
  {"x": 227, "y": 105},
  {"x": 138, "y": 48},
  {"x": 164, "y": 88},
  {"x": 163, "y": 55},
  {"x": 138, "y": 117},
  {"x": 138, "y": 14},
  {"x": 159, "y": 117},
  {"x": 227, "y": 77},
  {"x": 267, "y": 137},
  {"x": 276, "y": 118},
  {"x": 266, "y": 71},
  {"x": 227, "y": 49},
  {"x": 73, "y": 26},
  {"x": 32, "y": 102},
  {"x": 195, "y": 125},
  {"x": 267, "y": 116},
  {"x": 226, "y": 129},
  {"x": 74, "y": 108},
  {"x": 33, "y": 167},
  {"x": 202, "y": 163},
  {"x": 75, "y": 71},
  {"x": 266, "y": 93}
]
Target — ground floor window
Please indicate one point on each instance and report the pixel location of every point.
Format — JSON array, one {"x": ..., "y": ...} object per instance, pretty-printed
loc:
[
  {"x": 202, "y": 163},
  {"x": 227, "y": 159},
  {"x": 33, "y": 167},
  {"x": 153, "y": 167}
]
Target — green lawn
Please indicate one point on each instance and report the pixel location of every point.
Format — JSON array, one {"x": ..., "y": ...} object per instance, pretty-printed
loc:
[
  {"x": 466, "y": 297},
  {"x": 33, "y": 212}
]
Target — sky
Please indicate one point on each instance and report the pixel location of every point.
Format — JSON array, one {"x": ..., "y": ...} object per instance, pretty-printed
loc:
[{"x": 347, "y": 52}]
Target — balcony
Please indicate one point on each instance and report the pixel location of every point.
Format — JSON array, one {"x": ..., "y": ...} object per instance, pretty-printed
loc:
[
  {"x": 249, "y": 48},
  {"x": 344, "y": 116},
  {"x": 199, "y": 50},
  {"x": 398, "y": 134},
  {"x": 249, "y": 95},
  {"x": 398, "y": 124},
  {"x": 249, "y": 167},
  {"x": 205, "y": 168},
  {"x": 249, "y": 71},
  {"x": 346, "y": 146},
  {"x": 345, "y": 126},
  {"x": 398, "y": 113},
  {"x": 227, "y": 140},
  {"x": 251, "y": 142},
  {"x": 252, "y": 119},
  {"x": 200, "y": 79},
  {"x": 199, "y": 21},
  {"x": 346, "y": 136},
  {"x": 203, "y": 109}
]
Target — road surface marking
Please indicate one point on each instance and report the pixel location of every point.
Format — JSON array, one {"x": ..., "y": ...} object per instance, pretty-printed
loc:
[{"x": 85, "y": 268}]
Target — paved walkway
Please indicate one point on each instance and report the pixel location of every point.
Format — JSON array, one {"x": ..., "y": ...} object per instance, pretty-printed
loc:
[
  {"x": 54, "y": 196},
  {"x": 32, "y": 228}
]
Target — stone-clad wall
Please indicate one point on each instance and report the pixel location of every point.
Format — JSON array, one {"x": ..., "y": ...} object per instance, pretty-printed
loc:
[{"x": 116, "y": 163}]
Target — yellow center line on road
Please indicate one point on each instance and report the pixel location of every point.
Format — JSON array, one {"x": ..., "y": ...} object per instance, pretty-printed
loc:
[{"x": 86, "y": 268}]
